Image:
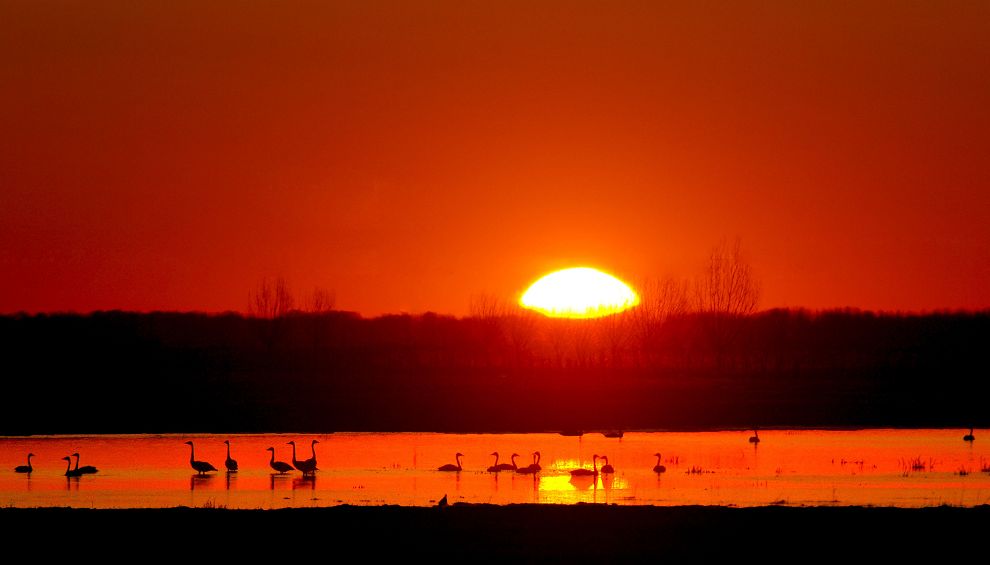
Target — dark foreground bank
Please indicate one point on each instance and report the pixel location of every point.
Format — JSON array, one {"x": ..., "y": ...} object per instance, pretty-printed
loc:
[{"x": 463, "y": 533}]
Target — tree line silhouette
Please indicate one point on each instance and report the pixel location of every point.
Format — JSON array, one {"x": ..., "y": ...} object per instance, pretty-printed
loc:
[{"x": 500, "y": 369}]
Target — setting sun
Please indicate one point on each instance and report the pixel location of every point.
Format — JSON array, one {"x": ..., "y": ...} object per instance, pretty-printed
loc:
[{"x": 580, "y": 292}]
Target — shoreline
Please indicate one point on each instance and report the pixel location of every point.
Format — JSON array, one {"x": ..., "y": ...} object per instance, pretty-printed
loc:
[{"x": 580, "y": 532}]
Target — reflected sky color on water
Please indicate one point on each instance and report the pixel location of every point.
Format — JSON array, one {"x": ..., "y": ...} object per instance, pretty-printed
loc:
[{"x": 904, "y": 468}]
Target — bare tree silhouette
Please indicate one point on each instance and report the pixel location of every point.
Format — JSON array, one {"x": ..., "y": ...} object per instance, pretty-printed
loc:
[
  {"x": 485, "y": 306},
  {"x": 726, "y": 291},
  {"x": 727, "y": 286},
  {"x": 661, "y": 299},
  {"x": 271, "y": 300},
  {"x": 322, "y": 300}
]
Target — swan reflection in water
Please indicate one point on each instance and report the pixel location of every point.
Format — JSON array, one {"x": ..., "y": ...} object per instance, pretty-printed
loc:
[
  {"x": 199, "y": 480},
  {"x": 279, "y": 479},
  {"x": 304, "y": 482},
  {"x": 585, "y": 482}
]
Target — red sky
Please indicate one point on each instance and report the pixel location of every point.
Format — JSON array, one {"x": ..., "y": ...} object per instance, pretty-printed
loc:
[{"x": 169, "y": 155}]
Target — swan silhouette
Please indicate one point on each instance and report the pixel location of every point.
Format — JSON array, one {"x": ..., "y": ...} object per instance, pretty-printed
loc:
[
  {"x": 201, "y": 467},
  {"x": 85, "y": 469},
  {"x": 69, "y": 471},
  {"x": 230, "y": 464},
  {"x": 606, "y": 468},
  {"x": 658, "y": 468},
  {"x": 494, "y": 467},
  {"x": 536, "y": 461},
  {"x": 281, "y": 466},
  {"x": 503, "y": 466},
  {"x": 969, "y": 436},
  {"x": 509, "y": 466},
  {"x": 585, "y": 472},
  {"x": 312, "y": 447},
  {"x": 530, "y": 469},
  {"x": 310, "y": 464},
  {"x": 307, "y": 466},
  {"x": 25, "y": 468},
  {"x": 755, "y": 438},
  {"x": 451, "y": 466}
]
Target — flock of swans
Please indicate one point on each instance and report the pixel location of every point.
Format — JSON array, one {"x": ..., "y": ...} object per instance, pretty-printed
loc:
[
  {"x": 308, "y": 467},
  {"x": 69, "y": 470},
  {"x": 534, "y": 467}
]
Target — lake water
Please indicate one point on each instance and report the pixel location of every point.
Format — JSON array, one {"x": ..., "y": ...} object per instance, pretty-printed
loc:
[{"x": 903, "y": 468}]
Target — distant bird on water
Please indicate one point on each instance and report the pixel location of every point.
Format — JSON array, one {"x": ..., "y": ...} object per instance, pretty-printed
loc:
[
  {"x": 451, "y": 466},
  {"x": 201, "y": 467},
  {"x": 231, "y": 464},
  {"x": 606, "y": 468},
  {"x": 69, "y": 471},
  {"x": 25, "y": 468},
  {"x": 658, "y": 468},
  {"x": 443, "y": 502},
  {"x": 281, "y": 466},
  {"x": 969, "y": 436},
  {"x": 755, "y": 438},
  {"x": 85, "y": 469},
  {"x": 585, "y": 472}
]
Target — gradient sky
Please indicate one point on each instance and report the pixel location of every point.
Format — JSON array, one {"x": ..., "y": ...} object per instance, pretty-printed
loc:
[{"x": 169, "y": 155}]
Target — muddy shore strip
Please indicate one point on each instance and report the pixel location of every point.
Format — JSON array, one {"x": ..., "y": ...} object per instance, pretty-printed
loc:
[{"x": 529, "y": 532}]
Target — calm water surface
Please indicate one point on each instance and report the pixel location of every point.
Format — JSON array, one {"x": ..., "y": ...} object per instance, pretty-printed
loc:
[{"x": 905, "y": 468}]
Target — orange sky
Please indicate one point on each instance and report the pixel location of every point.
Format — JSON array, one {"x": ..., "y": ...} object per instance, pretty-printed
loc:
[{"x": 169, "y": 155}]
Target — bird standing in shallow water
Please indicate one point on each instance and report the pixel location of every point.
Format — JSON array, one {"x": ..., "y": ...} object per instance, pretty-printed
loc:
[
  {"x": 755, "y": 438},
  {"x": 281, "y": 466},
  {"x": 307, "y": 466},
  {"x": 231, "y": 464},
  {"x": 25, "y": 468},
  {"x": 201, "y": 467}
]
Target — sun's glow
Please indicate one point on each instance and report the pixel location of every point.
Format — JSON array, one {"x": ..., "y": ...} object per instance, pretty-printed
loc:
[{"x": 581, "y": 292}]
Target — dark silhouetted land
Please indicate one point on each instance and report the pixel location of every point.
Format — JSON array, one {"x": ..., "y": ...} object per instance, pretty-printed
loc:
[
  {"x": 118, "y": 372},
  {"x": 473, "y": 533}
]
